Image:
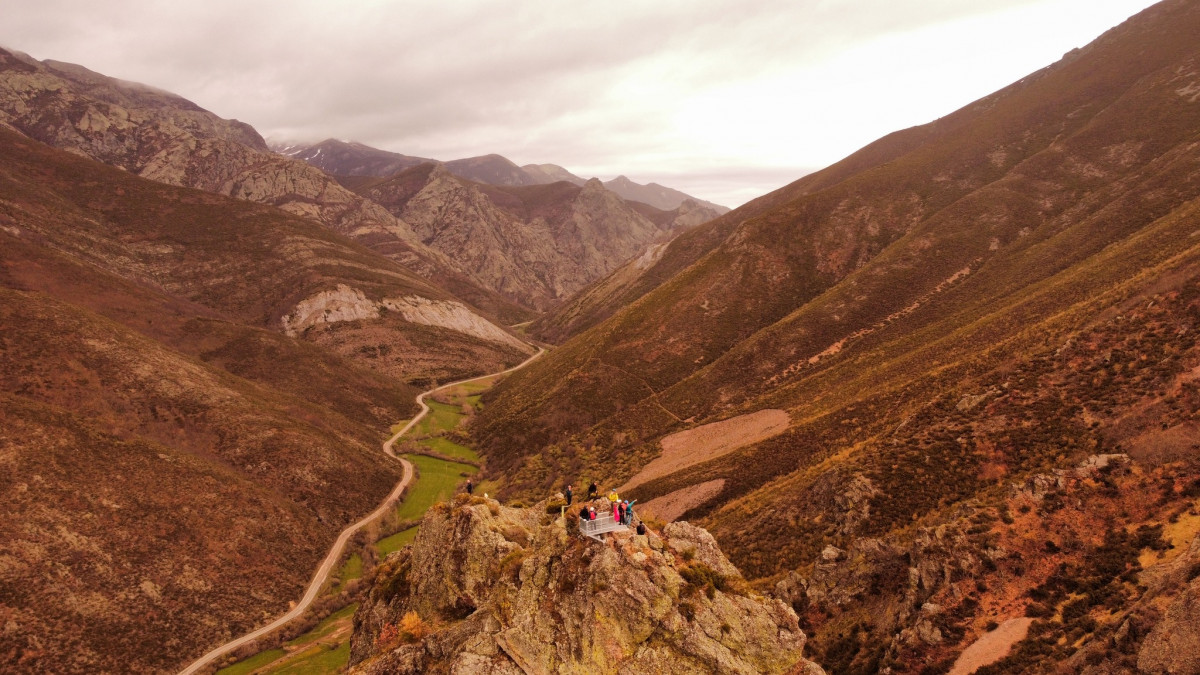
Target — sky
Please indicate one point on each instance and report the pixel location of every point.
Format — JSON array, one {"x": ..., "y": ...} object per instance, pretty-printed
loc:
[{"x": 723, "y": 100}]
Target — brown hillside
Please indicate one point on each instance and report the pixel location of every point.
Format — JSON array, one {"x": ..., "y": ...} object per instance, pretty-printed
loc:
[
  {"x": 163, "y": 137},
  {"x": 1006, "y": 192},
  {"x": 953, "y": 313},
  {"x": 176, "y": 460}
]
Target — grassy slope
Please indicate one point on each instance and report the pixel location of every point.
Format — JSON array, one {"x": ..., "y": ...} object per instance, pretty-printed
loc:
[{"x": 1016, "y": 188}]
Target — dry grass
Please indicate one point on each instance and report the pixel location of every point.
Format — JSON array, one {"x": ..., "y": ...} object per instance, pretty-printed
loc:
[
  {"x": 670, "y": 506},
  {"x": 694, "y": 446}
]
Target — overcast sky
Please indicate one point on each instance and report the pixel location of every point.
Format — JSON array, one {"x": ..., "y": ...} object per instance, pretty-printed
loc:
[{"x": 723, "y": 100}]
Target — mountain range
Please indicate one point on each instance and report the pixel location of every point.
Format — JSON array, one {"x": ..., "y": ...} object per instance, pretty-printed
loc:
[{"x": 343, "y": 158}]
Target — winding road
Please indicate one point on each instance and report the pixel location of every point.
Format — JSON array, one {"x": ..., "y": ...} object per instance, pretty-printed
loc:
[{"x": 335, "y": 552}]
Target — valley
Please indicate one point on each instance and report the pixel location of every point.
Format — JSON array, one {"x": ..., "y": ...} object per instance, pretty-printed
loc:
[
  {"x": 426, "y": 481},
  {"x": 933, "y": 408}
]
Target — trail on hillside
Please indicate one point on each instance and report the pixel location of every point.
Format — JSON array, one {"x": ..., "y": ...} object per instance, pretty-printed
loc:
[{"x": 335, "y": 552}]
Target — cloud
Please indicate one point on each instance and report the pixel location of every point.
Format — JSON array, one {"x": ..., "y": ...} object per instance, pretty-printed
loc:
[{"x": 649, "y": 89}]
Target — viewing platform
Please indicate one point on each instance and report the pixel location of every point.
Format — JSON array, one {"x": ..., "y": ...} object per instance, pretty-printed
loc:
[{"x": 603, "y": 524}]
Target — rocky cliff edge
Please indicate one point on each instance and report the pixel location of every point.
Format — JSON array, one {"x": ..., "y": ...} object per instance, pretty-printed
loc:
[{"x": 491, "y": 589}]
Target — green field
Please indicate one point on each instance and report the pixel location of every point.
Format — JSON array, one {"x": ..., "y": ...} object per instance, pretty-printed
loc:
[
  {"x": 317, "y": 660},
  {"x": 450, "y": 448},
  {"x": 438, "y": 479},
  {"x": 441, "y": 417},
  {"x": 395, "y": 542},
  {"x": 326, "y": 658},
  {"x": 351, "y": 569},
  {"x": 437, "y": 483},
  {"x": 326, "y": 626},
  {"x": 253, "y": 663}
]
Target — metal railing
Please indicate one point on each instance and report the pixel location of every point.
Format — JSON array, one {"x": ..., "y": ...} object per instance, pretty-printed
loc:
[{"x": 603, "y": 524}]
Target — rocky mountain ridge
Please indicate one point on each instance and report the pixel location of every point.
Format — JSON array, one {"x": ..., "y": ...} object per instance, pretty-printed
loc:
[
  {"x": 348, "y": 158},
  {"x": 163, "y": 137},
  {"x": 535, "y": 244},
  {"x": 492, "y": 589}
]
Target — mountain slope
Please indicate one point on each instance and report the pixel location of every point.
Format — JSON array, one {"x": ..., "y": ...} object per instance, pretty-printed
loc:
[
  {"x": 535, "y": 244},
  {"x": 990, "y": 182},
  {"x": 160, "y": 136},
  {"x": 343, "y": 158},
  {"x": 942, "y": 317},
  {"x": 181, "y": 466},
  {"x": 656, "y": 195},
  {"x": 551, "y": 173}
]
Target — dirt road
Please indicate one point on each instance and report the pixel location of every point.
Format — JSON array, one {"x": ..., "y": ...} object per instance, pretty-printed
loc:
[{"x": 335, "y": 552}]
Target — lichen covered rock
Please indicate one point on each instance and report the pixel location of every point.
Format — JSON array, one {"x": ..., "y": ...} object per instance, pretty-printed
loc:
[{"x": 491, "y": 589}]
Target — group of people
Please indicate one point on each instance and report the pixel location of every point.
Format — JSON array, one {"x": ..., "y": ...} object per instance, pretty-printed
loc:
[{"x": 622, "y": 510}]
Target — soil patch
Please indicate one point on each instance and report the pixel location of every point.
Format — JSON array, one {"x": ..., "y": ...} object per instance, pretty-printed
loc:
[
  {"x": 670, "y": 506},
  {"x": 991, "y": 647},
  {"x": 685, "y": 448}
]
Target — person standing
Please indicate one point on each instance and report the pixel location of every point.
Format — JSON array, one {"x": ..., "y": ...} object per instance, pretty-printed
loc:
[
  {"x": 592, "y": 491},
  {"x": 470, "y": 487},
  {"x": 569, "y": 494},
  {"x": 621, "y": 513}
]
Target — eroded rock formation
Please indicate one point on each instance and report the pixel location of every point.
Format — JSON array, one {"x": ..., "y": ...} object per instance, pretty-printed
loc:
[{"x": 491, "y": 589}]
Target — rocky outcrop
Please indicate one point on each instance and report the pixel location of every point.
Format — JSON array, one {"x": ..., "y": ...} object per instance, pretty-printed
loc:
[
  {"x": 351, "y": 304},
  {"x": 491, "y": 589}
]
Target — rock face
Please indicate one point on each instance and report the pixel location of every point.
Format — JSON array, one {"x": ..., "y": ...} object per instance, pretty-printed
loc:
[
  {"x": 491, "y": 589},
  {"x": 537, "y": 245},
  {"x": 351, "y": 304}
]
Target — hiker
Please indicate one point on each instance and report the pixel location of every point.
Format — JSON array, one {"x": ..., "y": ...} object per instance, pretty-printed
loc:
[
  {"x": 613, "y": 497},
  {"x": 569, "y": 495},
  {"x": 592, "y": 491},
  {"x": 641, "y": 528},
  {"x": 583, "y": 513},
  {"x": 470, "y": 487},
  {"x": 629, "y": 510},
  {"x": 591, "y": 513},
  {"x": 616, "y": 507},
  {"x": 620, "y": 513}
]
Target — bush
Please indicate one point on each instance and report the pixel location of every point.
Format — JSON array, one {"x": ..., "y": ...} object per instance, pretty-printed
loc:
[{"x": 412, "y": 628}]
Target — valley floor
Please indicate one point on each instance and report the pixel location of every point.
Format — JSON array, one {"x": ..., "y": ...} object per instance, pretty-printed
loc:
[{"x": 430, "y": 442}]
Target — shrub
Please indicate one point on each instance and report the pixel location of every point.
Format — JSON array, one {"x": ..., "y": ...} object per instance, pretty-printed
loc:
[{"x": 412, "y": 628}]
